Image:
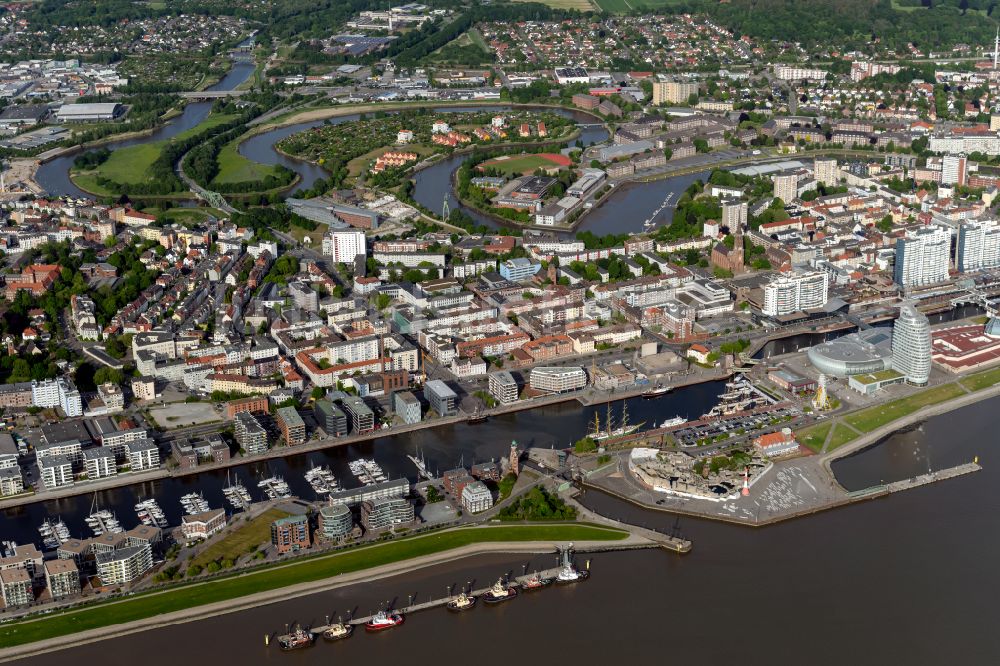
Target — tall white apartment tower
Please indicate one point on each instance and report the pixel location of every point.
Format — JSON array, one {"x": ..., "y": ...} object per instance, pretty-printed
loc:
[{"x": 922, "y": 257}]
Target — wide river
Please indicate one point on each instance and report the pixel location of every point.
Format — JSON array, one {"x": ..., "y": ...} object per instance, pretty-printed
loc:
[{"x": 909, "y": 579}]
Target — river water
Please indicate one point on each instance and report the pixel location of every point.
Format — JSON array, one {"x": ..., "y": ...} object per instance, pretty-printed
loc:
[
  {"x": 53, "y": 176},
  {"x": 908, "y": 578},
  {"x": 443, "y": 447}
]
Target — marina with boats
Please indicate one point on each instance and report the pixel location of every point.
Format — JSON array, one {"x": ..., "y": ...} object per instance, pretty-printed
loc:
[
  {"x": 150, "y": 513},
  {"x": 323, "y": 481}
]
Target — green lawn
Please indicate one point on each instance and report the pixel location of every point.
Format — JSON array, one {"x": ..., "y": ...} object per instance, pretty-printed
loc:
[
  {"x": 190, "y": 595},
  {"x": 841, "y": 435},
  {"x": 242, "y": 540},
  {"x": 234, "y": 168},
  {"x": 981, "y": 380},
  {"x": 815, "y": 435},
  {"x": 874, "y": 417}
]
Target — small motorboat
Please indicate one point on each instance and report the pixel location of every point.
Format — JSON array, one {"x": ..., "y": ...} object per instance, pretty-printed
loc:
[
  {"x": 500, "y": 592},
  {"x": 462, "y": 602}
]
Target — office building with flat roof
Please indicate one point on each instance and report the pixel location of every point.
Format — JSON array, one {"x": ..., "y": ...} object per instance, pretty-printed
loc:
[
  {"x": 440, "y": 397},
  {"x": 330, "y": 418},
  {"x": 362, "y": 417},
  {"x": 406, "y": 406}
]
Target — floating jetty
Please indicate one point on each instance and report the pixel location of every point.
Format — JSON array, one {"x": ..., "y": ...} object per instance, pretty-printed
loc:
[{"x": 517, "y": 581}]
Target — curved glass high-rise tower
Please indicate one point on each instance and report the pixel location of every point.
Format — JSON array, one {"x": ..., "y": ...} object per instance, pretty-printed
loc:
[{"x": 911, "y": 345}]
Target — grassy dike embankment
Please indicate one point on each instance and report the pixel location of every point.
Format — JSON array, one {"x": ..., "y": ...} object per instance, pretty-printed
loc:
[{"x": 180, "y": 603}]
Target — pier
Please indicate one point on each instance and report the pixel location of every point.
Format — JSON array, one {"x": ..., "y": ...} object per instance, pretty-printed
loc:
[{"x": 516, "y": 581}]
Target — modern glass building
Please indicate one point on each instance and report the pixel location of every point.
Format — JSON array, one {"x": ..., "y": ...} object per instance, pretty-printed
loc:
[{"x": 911, "y": 345}]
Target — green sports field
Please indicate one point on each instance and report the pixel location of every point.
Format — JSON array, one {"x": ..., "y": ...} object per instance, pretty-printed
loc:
[{"x": 524, "y": 164}]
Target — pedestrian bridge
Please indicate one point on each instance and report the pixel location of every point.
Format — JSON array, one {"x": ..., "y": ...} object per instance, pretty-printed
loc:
[{"x": 211, "y": 94}]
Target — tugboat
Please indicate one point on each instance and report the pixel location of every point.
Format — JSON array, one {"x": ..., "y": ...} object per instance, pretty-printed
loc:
[
  {"x": 462, "y": 602},
  {"x": 500, "y": 592},
  {"x": 296, "y": 640},
  {"x": 338, "y": 631},
  {"x": 569, "y": 573},
  {"x": 535, "y": 582},
  {"x": 383, "y": 620}
]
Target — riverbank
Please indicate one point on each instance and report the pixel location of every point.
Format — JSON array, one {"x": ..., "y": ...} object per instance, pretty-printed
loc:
[
  {"x": 196, "y": 601},
  {"x": 875, "y": 436}
]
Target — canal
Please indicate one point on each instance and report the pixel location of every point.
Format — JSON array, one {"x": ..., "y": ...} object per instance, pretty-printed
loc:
[
  {"x": 909, "y": 578},
  {"x": 443, "y": 447}
]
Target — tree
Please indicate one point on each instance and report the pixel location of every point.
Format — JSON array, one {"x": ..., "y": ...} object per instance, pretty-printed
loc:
[
  {"x": 107, "y": 375},
  {"x": 115, "y": 347}
]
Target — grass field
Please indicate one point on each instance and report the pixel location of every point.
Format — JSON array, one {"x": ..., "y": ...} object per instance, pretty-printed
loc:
[
  {"x": 814, "y": 436},
  {"x": 130, "y": 165},
  {"x": 187, "y": 596},
  {"x": 315, "y": 236},
  {"x": 582, "y": 5},
  {"x": 477, "y": 38},
  {"x": 981, "y": 380},
  {"x": 525, "y": 164},
  {"x": 874, "y": 417},
  {"x": 185, "y": 214},
  {"x": 626, "y": 6},
  {"x": 242, "y": 540},
  {"x": 234, "y": 168},
  {"x": 841, "y": 435}
]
